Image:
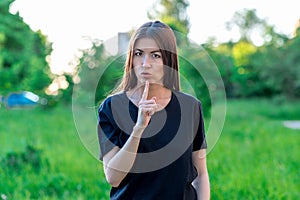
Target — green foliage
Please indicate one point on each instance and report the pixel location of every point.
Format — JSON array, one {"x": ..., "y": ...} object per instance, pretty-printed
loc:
[
  {"x": 221, "y": 55},
  {"x": 16, "y": 162},
  {"x": 269, "y": 70},
  {"x": 279, "y": 67},
  {"x": 248, "y": 161},
  {"x": 247, "y": 21},
  {"x": 44, "y": 159},
  {"x": 4, "y": 6},
  {"x": 194, "y": 68},
  {"x": 65, "y": 95},
  {"x": 173, "y": 13},
  {"x": 245, "y": 79},
  {"x": 99, "y": 74},
  {"x": 23, "y": 54},
  {"x": 241, "y": 53},
  {"x": 111, "y": 77}
]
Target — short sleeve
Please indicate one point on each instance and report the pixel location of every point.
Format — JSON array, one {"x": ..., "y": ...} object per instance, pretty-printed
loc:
[
  {"x": 199, "y": 140},
  {"x": 108, "y": 131}
]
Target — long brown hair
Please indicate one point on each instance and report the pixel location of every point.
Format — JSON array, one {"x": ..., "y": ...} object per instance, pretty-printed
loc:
[{"x": 163, "y": 35}]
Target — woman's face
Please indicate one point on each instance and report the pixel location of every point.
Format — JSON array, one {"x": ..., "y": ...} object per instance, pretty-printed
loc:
[{"x": 147, "y": 61}]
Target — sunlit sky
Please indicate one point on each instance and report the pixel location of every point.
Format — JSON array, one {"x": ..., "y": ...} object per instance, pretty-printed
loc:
[{"x": 68, "y": 22}]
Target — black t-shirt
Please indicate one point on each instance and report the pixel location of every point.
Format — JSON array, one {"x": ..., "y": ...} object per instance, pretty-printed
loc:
[{"x": 163, "y": 168}]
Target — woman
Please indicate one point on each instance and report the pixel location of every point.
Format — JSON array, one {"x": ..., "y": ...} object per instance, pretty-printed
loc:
[{"x": 151, "y": 135}]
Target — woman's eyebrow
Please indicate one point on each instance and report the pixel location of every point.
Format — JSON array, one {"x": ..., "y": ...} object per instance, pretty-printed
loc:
[{"x": 154, "y": 51}]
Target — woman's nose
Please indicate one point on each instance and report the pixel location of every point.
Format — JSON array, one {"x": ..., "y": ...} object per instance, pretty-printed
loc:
[{"x": 146, "y": 61}]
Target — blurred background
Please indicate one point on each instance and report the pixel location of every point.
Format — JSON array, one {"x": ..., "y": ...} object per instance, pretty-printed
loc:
[{"x": 57, "y": 53}]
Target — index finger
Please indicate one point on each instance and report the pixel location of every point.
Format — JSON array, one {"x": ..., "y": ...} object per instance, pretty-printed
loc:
[{"x": 146, "y": 89}]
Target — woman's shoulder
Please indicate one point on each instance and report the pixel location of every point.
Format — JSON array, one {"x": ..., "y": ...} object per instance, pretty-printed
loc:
[
  {"x": 183, "y": 96},
  {"x": 115, "y": 98}
]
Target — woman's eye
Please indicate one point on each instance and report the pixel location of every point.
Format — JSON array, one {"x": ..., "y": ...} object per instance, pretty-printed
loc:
[
  {"x": 156, "y": 55},
  {"x": 138, "y": 53}
]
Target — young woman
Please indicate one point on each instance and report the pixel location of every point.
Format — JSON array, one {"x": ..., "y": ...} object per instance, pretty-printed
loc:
[{"x": 151, "y": 135}]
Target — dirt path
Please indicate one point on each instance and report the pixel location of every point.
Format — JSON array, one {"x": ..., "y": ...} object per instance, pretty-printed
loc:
[{"x": 295, "y": 124}]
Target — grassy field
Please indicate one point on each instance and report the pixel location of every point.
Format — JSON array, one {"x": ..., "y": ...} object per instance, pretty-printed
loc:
[{"x": 256, "y": 157}]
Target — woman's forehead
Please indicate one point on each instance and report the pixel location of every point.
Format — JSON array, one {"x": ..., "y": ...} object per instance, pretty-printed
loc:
[{"x": 146, "y": 43}]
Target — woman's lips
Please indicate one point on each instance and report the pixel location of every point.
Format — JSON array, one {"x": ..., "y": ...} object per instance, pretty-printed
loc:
[{"x": 146, "y": 74}]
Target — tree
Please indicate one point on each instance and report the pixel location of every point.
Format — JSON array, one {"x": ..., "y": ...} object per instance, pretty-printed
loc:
[
  {"x": 258, "y": 70},
  {"x": 246, "y": 21},
  {"x": 99, "y": 74},
  {"x": 173, "y": 13},
  {"x": 279, "y": 68},
  {"x": 23, "y": 64},
  {"x": 248, "y": 24},
  {"x": 222, "y": 56}
]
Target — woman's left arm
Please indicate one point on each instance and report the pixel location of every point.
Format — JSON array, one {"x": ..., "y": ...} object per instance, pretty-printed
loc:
[{"x": 201, "y": 183}]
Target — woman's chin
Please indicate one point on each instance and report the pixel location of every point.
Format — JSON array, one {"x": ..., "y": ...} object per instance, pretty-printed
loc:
[{"x": 151, "y": 81}]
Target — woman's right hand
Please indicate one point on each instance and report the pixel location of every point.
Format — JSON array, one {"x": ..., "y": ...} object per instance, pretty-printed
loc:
[{"x": 146, "y": 108}]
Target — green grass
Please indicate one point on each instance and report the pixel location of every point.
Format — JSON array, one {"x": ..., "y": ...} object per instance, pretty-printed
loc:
[
  {"x": 68, "y": 170},
  {"x": 256, "y": 157}
]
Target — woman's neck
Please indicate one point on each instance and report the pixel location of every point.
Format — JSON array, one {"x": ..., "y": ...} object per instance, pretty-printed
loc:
[
  {"x": 155, "y": 90},
  {"x": 158, "y": 91},
  {"x": 161, "y": 94}
]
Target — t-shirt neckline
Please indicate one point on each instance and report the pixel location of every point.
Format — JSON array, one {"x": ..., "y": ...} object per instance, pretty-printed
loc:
[{"x": 130, "y": 102}]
